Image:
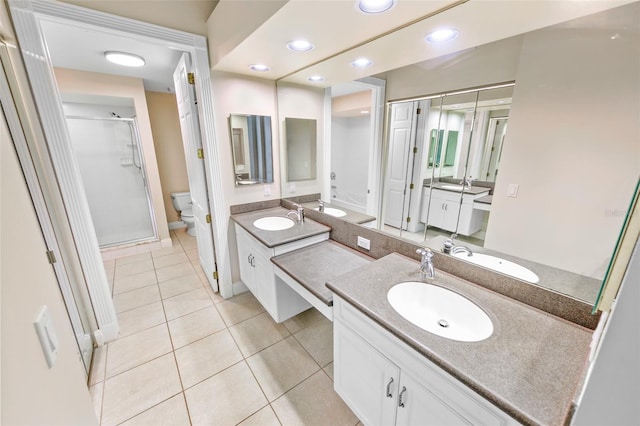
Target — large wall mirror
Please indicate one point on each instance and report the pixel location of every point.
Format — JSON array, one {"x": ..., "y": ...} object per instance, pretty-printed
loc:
[
  {"x": 251, "y": 146},
  {"x": 538, "y": 172},
  {"x": 300, "y": 149}
]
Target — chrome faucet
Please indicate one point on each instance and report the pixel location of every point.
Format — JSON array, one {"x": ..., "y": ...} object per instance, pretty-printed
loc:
[
  {"x": 426, "y": 264},
  {"x": 320, "y": 205},
  {"x": 298, "y": 212},
  {"x": 462, "y": 249},
  {"x": 466, "y": 182}
]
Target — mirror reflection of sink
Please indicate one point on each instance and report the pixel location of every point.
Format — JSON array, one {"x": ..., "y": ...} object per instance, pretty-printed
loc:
[
  {"x": 500, "y": 265},
  {"x": 440, "y": 311},
  {"x": 450, "y": 187},
  {"x": 333, "y": 212},
  {"x": 273, "y": 223}
]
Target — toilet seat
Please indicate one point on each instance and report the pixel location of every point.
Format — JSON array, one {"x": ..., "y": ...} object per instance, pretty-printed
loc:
[{"x": 188, "y": 213}]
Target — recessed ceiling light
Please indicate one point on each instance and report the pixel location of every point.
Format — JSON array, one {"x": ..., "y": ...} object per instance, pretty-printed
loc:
[
  {"x": 125, "y": 59},
  {"x": 362, "y": 63},
  {"x": 259, "y": 67},
  {"x": 316, "y": 78},
  {"x": 375, "y": 6},
  {"x": 364, "y": 112},
  {"x": 300, "y": 46},
  {"x": 442, "y": 35}
]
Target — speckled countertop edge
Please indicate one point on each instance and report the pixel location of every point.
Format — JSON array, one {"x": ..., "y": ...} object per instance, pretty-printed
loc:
[
  {"x": 530, "y": 367},
  {"x": 473, "y": 190},
  {"x": 272, "y": 239},
  {"x": 305, "y": 265},
  {"x": 351, "y": 216}
]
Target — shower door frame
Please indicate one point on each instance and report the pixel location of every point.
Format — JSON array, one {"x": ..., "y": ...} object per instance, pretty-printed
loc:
[{"x": 134, "y": 129}]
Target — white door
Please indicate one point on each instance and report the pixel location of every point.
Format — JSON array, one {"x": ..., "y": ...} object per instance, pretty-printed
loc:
[
  {"x": 190, "y": 128},
  {"x": 401, "y": 135}
]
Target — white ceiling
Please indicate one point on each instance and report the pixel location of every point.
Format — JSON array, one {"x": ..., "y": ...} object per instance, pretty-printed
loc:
[{"x": 340, "y": 32}]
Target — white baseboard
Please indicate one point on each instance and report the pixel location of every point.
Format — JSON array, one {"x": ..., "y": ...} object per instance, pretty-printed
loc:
[
  {"x": 177, "y": 225},
  {"x": 239, "y": 287}
]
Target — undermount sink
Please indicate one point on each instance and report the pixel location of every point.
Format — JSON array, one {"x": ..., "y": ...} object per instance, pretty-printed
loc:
[
  {"x": 440, "y": 311},
  {"x": 500, "y": 265},
  {"x": 333, "y": 212},
  {"x": 273, "y": 223}
]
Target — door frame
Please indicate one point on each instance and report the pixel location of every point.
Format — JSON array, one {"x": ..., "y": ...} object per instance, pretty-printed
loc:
[{"x": 27, "y": 16}]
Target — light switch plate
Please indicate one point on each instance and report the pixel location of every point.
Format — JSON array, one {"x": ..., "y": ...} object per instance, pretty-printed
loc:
[
  {"x": 512, "y": 190},
  {"x": 47, "y": 336},
  {"x": 364, "y": 243},
  {"x": 267, "y": 190}
]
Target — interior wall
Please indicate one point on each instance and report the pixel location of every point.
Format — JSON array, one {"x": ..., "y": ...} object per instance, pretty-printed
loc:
[
  {"x": 31, "y": 392},
  {"x": 570, "y": 112},
  {"x": 167, "y": 140},
  {"x": 236, "y": 94},
  {"x": 301, "y": 102},
  {"x": 89, "y": 83},
  {"x": 487, "y": 64},
  {"x": 611, "y": 394}
]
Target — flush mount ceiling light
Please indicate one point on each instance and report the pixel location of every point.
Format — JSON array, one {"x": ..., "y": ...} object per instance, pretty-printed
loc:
[
  {"x": 300, "y": 46},
  {"x": 259, "y": 67},
  {"x": 375, "y": 6},
  {"x": 441, "y": 35},
  {"x": 364, "y": 112},
  {"x": 125, "y": 59},
  {"x": 362, "y": 63},
  {"x": 316, "y": 78}
]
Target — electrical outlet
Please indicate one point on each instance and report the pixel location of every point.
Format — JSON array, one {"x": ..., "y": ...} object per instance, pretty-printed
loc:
[
  {"x": 364, "y": 243},
  {"x": 512, "y": 190}
]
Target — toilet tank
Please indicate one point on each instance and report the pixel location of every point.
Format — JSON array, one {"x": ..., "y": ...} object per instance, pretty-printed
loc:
[{"x": 181, "y": 200}]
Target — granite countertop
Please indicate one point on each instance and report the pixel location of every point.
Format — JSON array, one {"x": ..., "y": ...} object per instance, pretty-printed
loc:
[
  {"x": 473, "y": 190},
  {"x": 312, "y": 266},
  {"x": 487, "y": 199},
  {"x": 271, "y": 239},
  {"x": 530, "y": 367},
  {"x": 351, "y": 216}
]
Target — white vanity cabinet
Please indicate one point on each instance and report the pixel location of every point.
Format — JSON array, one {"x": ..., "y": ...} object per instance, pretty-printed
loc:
[
  {"x": 257, "y": 273},
  {"x": 385, "y": 382},
  {"x": 444, "y": 211}
]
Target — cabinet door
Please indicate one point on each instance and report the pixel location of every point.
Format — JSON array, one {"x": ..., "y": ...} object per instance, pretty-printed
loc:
[
  {"x": 265, "y": 283},
  {"x": 450, "y": 215},
  {"x": 365, "y": 379},
  {"x": 436, "y": 211},
  {"x": 245, "y": 260},
  {"x": 417, "y": 405}
]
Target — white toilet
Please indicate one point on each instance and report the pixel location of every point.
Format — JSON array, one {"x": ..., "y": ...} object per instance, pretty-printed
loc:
[{"x": 182, "y": 203}]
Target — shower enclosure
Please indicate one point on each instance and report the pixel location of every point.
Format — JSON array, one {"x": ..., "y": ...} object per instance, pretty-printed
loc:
[{"x": 112, "y": 168}]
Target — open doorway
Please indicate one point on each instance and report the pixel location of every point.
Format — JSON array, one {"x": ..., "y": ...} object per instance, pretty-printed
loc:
[{"x": 30, "y": 19}]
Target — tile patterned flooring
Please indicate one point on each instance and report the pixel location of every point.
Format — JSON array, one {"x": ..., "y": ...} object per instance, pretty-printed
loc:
[{"x": 187, "y": 356}]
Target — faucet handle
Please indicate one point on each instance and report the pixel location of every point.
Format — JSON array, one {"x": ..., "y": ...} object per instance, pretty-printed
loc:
[{"x": 426, "y": 253}]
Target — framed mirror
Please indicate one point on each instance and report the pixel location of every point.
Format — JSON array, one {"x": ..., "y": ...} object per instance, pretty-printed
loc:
[
  {"x": 300, "y": 137},
  {"x": 252, "y": 148}
]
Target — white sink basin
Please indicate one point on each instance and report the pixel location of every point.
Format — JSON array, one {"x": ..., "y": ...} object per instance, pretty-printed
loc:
[
  {"x": 333, "y": 212},
  {"x": 500, "y": 265},
  {"x": 440, "y": 311},
  {"x": 273, "y": 223}
]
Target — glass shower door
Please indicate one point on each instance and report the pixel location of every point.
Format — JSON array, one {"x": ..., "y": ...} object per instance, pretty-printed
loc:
[{"x": 113, "y": 175}]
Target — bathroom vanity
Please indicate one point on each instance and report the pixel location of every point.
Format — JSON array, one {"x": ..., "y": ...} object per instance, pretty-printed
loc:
[
  {"x": 441, "y": 206},
  {"x": 255, "y": 249},
  {"x": 390, "y": 371}
]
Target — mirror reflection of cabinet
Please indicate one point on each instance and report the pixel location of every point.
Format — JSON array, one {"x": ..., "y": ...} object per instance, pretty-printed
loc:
[
  {"x": 252, "y": 149},
  {"x": 301, "y": 134}
]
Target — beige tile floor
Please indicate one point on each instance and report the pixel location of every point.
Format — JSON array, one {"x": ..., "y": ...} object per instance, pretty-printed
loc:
[{"x": 187, "y": 356}]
